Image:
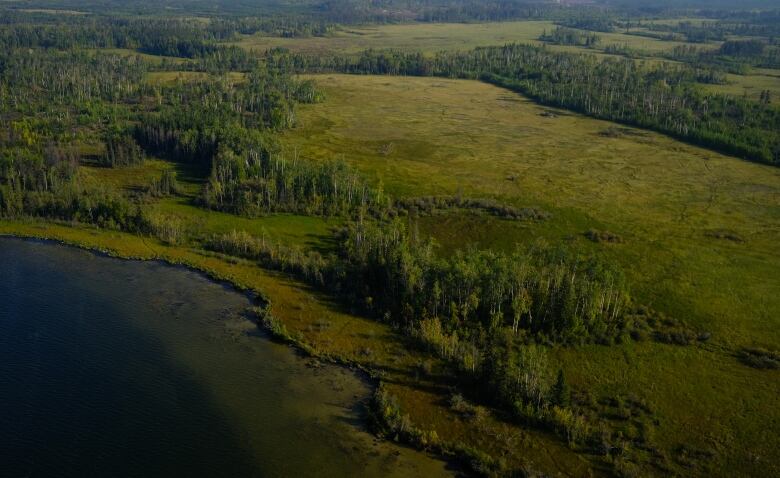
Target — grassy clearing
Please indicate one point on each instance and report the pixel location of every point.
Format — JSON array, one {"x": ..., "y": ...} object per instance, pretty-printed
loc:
[
  {"x": 427, "y": 37},
  {"x": 155, "y": 59},
  {"x": 426, "y": 136},
  {"x": 171, "y": 77},
  {"x": 750, "y": 85},
  {"x": 666, "y": 200},
  {"x": 134, "y": 178},
  {"x": 308, "y": 231},
  {"x": 433, "y": 37}
]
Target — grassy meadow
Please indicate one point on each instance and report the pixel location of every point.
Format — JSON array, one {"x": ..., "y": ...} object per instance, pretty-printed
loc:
[
  {"x": 426, "y": 37},
  {"x": 699, "y": 233},
  {"x": 433, "y": 37},
  {"x": 750, "y": 85}
]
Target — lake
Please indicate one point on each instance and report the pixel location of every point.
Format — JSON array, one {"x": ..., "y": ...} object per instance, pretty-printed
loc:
[{"x": 111, "y": 367}]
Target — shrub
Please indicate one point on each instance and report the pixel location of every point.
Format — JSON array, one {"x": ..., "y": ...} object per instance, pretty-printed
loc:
[
  {"x": 760, "y": 358},
  {"x": 569, "y": 424},
  {"x": 166, "y": 185},
  {"x": 167, "y": 228},
  {"x": 272, "y": 324},
  {"x": 603, "y": 236}
]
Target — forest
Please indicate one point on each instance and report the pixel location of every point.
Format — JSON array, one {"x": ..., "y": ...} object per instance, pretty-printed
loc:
[{"x": 136, "y": 118}]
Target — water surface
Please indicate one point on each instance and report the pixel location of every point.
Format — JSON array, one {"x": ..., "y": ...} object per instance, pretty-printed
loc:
[{"x": 129, "y": 368}]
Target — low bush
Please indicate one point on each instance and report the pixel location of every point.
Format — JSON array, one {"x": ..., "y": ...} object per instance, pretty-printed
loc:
[{"x": 757, "y": 357}]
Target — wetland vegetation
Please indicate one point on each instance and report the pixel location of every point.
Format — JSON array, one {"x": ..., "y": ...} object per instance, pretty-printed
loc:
[{"x": 547, "y": 232}]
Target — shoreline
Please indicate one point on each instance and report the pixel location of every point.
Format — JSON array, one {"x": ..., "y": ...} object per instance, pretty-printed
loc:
[{"x": 449, "y": 455}]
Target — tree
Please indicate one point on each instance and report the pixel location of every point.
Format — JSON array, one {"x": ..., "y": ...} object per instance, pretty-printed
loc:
[{"x": 560, "y": 392}]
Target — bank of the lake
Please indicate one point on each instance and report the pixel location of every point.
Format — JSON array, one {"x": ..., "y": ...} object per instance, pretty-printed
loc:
[
  {"x": 325, "y": 330},
  {"x": 136, "y": 368}
]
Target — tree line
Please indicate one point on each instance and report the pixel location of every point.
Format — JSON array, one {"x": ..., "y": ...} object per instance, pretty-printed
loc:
[{"x": 569, "y": 36}]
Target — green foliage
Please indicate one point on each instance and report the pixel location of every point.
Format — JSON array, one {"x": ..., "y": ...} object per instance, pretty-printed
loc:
[
  {"x": 543, "y": 291},
  {"x": 568, "y": 36},
  {"x": 257, "y": 183},
  {"x": 757, "y": 357},
  {"x": 310, "y": 265},
  {"x": 121, "y": 150},
  {"x": 742, "y": 48},
  {"x": 197, "y": 118},
  {"x": 272, "y": 324},
  {"x": 429, "y": 205},
  {"x": 167, "y": 185},
  {"x": 169, "y": 229},
  {"x": 560, "y": 392}
]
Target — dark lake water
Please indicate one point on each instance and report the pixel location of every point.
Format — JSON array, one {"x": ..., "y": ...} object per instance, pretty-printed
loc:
[{"x": 128, "y": 368}]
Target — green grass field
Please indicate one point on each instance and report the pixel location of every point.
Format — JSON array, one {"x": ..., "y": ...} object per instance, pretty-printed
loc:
[
  {"x": 170, "y": 77},
  {"x": 427, "y": 37},
  {"x": 432, "y": 37},
  {"x": 750, "y": 85},
  {"x": 306, "y": 231},
  {"x": 421, "y": 136}
]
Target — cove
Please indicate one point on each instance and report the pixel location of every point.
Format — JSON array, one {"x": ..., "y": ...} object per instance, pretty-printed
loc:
[{"x": 111, "y": 367}]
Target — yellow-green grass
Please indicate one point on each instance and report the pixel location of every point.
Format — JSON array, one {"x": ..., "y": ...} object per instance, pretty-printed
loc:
[
  {"x": 132, "y": 178},
  {"x": 677, "y": 21},
  {"x": 421, "y": 136},
  {"x": 52, "y": 11},
  {"x": 647, "y": 44},
  {"x": 145, "y": 56},
  {"x": 750, "y": 85},
  {"x": 433, "y": 37},
  {"x": 327, "y": 331},
  {"x": 427, "y": 37},
  {"x": 308, "y": 231},
  {"x": 171, "y": 77},
  {"x": 436, "y": 136}
]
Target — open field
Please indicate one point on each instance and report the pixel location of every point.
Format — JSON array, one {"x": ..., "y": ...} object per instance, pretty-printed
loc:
[
  {"x": 170, "y": 77},
  {"x": 423, "y": 136},
  {"x": 154, "y": 59},
  {"x": 432, "y": 37},
  {"x": 427, "y": 37},
  {"x": 750, "y": 85},
  {"x": 306, "y": 231},
  {"x": 672, "y": 204}
]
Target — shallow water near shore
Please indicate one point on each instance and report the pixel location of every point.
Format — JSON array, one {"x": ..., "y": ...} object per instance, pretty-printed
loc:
[{"x": 127, "y": 368}]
